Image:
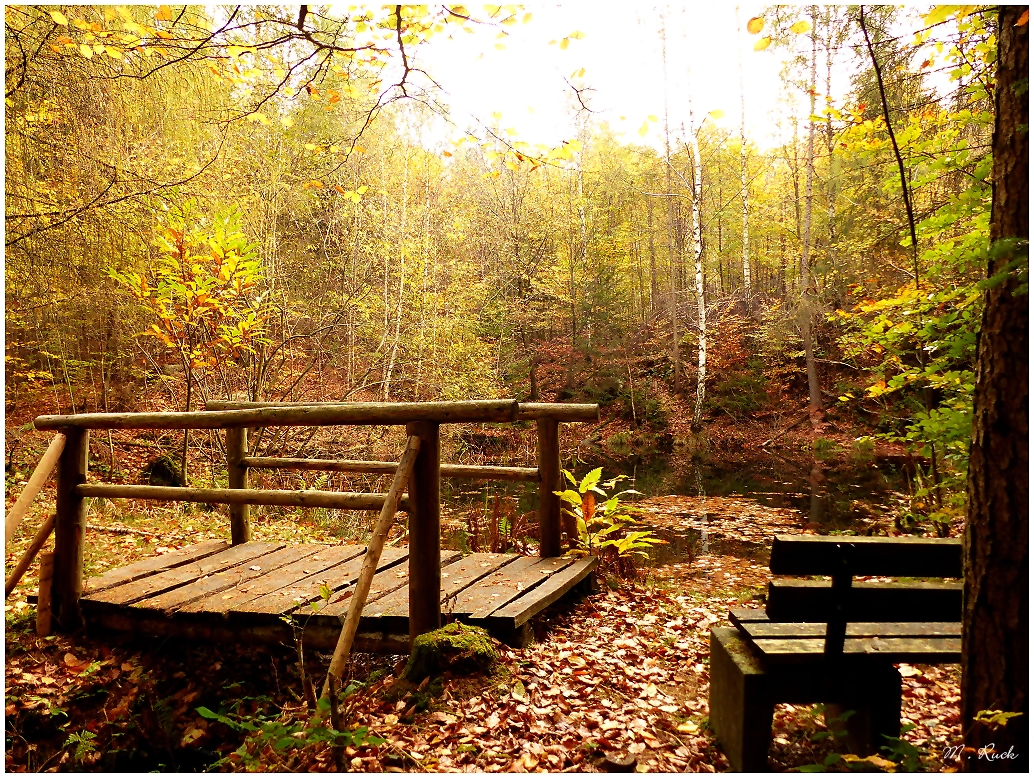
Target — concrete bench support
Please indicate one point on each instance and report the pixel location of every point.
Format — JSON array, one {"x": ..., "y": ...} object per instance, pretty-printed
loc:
[{"x": 743, "y": 695}]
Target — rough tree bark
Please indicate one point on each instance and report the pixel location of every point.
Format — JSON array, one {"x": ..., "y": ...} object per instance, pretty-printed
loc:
[{"x": 995, "y": 643}]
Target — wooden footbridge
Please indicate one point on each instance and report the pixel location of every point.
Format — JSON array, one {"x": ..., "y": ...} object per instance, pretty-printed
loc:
[{"x": 251, "y": 590}]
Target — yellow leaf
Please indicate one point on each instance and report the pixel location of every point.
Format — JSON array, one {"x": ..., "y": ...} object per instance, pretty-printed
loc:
[
  {"x": 98, "y": 48},
  {"x": 500, "y": 46},
  {"x": 526, "y": 19},
  {"x": 287, "y": 121},
  {"x": 716, "y": 114},
  {"x": 762, "y": 44},
  {"x": 59, "y": 18},
  {"x": 315, "y": 184},
  {"x": 755, "y": 25},
  {"x": 577, "y": 35},
  {"x": 939, "y": 14},
  {"x": 564, "y": 43},
  {"x": 113, "y": 52},
  {"x": 86, "y": 51},
  {"x": 801, "y": 26},
  {"x": 164, "y": 14},
  {"x": 644, "y": 129},
  {"x": 651, "y": 118}
]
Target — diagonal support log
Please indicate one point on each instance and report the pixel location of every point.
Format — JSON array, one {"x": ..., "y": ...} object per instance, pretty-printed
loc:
[
  {"x": 370, "y": 562},
  {"x": 36, "y": 480},
  {"x": 30, "y": 554}
]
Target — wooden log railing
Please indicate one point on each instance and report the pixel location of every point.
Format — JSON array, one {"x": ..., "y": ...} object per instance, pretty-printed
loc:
[
  {"x": 422, "y": 420},
  {"x": 474, "y": 472},
  {"x": 32, "y": 488}
]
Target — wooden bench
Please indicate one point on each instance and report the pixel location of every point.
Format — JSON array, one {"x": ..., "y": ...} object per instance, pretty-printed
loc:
[{"x": 834, "y": 641}]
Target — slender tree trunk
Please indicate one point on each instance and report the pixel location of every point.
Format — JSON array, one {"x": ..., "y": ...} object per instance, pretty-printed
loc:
[
  {"x": 676, "y": 356},
  {"x": 584, "y": 247},
  {"x": 744, "y": 193},
  {"x": 402, "y": 275},
  {"x": 653, "y": 255},
  {"x": 814, "y": 393},
  {"x": 698, "y": 257},
  {"x": 831, "y": 195},
  {"x": 995, "y": 622}
]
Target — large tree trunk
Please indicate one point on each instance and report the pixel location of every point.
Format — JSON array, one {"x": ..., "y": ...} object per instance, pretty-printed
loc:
[{"x": 995, "y": 619}]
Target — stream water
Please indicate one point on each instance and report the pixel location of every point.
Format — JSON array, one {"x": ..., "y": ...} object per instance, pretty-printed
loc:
[{"x": 829, "y": 498}]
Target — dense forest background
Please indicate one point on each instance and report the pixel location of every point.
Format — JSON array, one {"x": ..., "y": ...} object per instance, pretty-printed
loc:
[{"x": 260, "y": 203}]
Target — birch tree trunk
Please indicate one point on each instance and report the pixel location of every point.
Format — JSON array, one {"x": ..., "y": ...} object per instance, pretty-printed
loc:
[
  {"x": 814, "y": 393},
  {"x": 698, "y": 257}
]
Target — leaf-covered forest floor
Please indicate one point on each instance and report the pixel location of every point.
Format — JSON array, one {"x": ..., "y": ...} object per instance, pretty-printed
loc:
[{"x": 625, "y": 670}]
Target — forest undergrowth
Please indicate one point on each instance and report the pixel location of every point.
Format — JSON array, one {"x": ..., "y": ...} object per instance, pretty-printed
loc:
[{"x": 624, "y": 671}]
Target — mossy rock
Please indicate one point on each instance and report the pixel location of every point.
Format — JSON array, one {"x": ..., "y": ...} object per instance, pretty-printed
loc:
[
  {"x": 163, "y": 470},
  {"x": 456, "y": 648}
]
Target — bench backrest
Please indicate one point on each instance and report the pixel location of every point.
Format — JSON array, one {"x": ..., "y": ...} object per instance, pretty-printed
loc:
[
  {"x": 844, "y": 554},
  {"x": 842, "y": 601}
]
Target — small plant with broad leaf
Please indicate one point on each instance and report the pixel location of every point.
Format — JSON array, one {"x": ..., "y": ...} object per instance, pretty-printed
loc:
[{"x": 602, "y": 523}]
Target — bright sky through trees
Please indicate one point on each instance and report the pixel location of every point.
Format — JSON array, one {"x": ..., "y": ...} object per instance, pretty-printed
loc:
[{"x": 621, "y": 54}]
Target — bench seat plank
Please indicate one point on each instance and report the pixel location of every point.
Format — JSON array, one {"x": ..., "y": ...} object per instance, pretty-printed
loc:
[
  {"x": 931, "y": 650},
  {"x": 938, "y": 629}
]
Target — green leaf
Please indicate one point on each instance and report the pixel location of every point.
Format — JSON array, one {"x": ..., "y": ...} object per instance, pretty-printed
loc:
[{"x": 590, "y": 480}]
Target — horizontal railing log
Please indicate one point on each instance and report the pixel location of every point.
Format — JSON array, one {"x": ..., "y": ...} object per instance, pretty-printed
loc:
[
  {"x": 526, "y": 411},
  {"x": 353, "y": 501},
  {"x": 490, "y": 472},
  {"x": 293, "y": 416}
]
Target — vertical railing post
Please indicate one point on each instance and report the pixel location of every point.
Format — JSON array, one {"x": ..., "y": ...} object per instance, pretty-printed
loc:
[
  {"x": 240, "y": 515},
  {"x": 425, "y": 547},
  {"x": 549, "y": 481},
  {"x": 69, "y": 531}
]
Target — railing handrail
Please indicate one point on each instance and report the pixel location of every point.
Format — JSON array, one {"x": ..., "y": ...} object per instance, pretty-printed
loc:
[
  {"x": 491, "y": 472},
  {"x": 293, "y": 416},
  {"x": 526, "y": 411}
]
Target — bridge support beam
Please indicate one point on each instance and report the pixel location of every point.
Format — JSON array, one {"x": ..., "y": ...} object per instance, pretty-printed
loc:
[
  {"x": 549, "y": 481},
  {"x": 69, "y": 529},
  {"x": 425, "y": 555}
]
